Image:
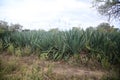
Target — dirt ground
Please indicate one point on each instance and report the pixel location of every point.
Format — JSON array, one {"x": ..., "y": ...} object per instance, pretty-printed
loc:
[{"x": 60, "y": 68}]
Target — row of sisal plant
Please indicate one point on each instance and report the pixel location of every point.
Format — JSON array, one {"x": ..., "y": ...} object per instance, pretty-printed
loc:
[{"x": 63, "y": 44}]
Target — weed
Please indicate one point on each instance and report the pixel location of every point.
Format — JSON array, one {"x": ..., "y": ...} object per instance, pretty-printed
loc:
[
  {"x": 105, "y": 63},
  {"x": 18, "y": 52},
  {"x": 1, "y": 46},
  {"x": 10, "y": 49},
  {"x": 26, "y": 51},
  {"x": 7, "y": 68},
  {"x": 44, "y": 56}
]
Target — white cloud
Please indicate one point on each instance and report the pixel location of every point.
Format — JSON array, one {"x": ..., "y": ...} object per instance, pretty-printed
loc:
[{"x": 46, "y": 14}]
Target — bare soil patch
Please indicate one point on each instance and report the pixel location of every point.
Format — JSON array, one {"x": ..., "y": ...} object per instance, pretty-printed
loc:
[{"x": 58, "y": 68}]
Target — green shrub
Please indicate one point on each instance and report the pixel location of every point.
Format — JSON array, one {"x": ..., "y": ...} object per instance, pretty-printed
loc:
[
  {"x": 7, "y": 68},
  {"x": 18, "y": 52},
  {"x": 10, "y": 49},
  {"x": 105, "y": 63},
  {"x": 26, "y": 51},
  {"x": 75, "y": 60},
  {"x": 1, "y": 46},
  {"x": 64, "y": 44},
  {"x": 43, "y": 56}
]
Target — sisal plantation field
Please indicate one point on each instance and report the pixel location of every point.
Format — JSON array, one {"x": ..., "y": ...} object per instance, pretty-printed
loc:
[{"x": 76, "y": 54}]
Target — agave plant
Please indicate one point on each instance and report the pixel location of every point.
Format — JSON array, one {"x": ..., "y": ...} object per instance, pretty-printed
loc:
[{"x": 63, "y": 44}]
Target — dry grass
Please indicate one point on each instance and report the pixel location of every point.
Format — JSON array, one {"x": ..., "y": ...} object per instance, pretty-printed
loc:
[{"x": 32, "y": 68}]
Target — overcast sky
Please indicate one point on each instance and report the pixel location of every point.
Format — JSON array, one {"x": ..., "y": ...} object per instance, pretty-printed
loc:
[{"x": 47, "y": 14}]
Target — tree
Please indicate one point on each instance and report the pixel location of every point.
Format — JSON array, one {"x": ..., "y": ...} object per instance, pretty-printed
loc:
[
  {"x": 110, "y": 8},
  {"x": 106, "y": 27},
  {"x": 15, "y": 27},
  {"x": 90, "y": 28},
  {"x": 54, "y": 30},
  {"x": 3, "y": 25}
]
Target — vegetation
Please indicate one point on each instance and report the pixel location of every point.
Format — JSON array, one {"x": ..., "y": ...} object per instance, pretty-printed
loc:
[
  {"x": 32, "y": 68},
  {"x": 59, "y": 55},
  {"x": 110, "y": 8},
  {"x": 104, "y": 44},
  {"x": 78, "y": 46}
]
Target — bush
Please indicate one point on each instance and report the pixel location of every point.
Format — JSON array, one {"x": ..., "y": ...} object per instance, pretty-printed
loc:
[
  {"x": 18, "y": 52},
  {"x": 11, "y": 49},
  {"x": 26, "y": 51},
  {"x": 1, "y": 46}
]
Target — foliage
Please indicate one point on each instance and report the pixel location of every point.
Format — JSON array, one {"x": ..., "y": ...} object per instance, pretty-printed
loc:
[
  {"x": 63, "y": 44},
  {"x": 0, "y": 45},
  {"x": 5, "y": 32},
  {"x": 105, "y": 63},
  {"x": 8, "y": 67},
  {"x": 11, "y": 49},
  {"x": 26, "y": 50},
  {"x": 43, "y": 56},
  {"x": 110, "y": 8},
  {"x": 13, "y": 27},
  {"x": 18, "y": 52},
  {"x": 102, "y": 42}
]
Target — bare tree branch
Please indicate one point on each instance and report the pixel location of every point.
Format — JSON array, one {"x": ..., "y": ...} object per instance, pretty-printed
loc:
[{"x": 110, "y": 8}]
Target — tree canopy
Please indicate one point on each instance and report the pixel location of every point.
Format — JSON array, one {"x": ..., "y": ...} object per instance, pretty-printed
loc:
[
  {"x": 106, "y": 27},
  {"x": 13, "y": 27},
  {"x": 109, "y": 8}
]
